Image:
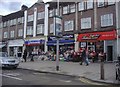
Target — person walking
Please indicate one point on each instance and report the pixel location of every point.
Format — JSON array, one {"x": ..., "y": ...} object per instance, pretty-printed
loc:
[
  {"x": 84, "y": 56},
  {"x": 25, "y": 55}
]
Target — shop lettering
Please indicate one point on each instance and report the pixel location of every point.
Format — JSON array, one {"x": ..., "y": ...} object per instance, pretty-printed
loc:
[{"x": 91, "y": 36}]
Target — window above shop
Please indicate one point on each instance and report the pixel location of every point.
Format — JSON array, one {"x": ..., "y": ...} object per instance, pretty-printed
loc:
[
  {"x": 51, "y": 28},
  {"x": 111, "y": 2},
  {"x": 20, "y": 32},
  {"x": 12, "y": 34},
  {"x": 89, "y": 4},
  {"x": 69, "y": 25},
  {"x": 86, "y": 23},
  {"x": 51, "y": 13},
  {"x": 41, "y": 15},
  {"x": 29, "y": 30},
  {"x": 65, "y": 10},
  {"x": 30, "y": 18},
  {"x": 20, "y": 20},
  {"x": 81, "y": 6},
  {"x": 5, "y": 35},
  {"x": 40, "y": 28},
  {"x": 107, "y": 20},
  {"x": 101, "y": 3},
  {"x": 72, "y": 8},
  {"x": 1, "y": 24}
]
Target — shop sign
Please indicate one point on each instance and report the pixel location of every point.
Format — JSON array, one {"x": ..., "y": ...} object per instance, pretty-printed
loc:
[
  {"x": 34, "y": 42},
  {"x": 97, "y": 36}
]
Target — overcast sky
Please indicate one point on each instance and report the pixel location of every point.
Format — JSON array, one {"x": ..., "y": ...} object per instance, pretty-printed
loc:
[{"x": 9, "y": 6}]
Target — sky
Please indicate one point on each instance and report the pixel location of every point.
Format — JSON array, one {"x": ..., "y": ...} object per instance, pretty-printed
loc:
[{"x": 10, "y": 6}]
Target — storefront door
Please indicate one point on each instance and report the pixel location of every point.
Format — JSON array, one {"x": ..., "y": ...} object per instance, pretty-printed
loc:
[{"x": 109, "y": 53}]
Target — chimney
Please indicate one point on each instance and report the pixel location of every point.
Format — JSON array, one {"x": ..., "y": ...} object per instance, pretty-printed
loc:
[{"x": 24, "y": 7}]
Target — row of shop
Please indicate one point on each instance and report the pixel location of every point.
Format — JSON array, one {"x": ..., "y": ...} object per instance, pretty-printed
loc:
[{"x": 105, "y": 41}]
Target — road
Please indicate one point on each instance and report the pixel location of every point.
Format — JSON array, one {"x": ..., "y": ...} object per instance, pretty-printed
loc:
[{"x": 27, "y": 77}]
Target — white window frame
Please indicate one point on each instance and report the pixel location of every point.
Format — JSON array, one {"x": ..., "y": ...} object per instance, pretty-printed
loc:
[
  {"x": 72, "y": 8},
  {"x": 101, "y": 3},
  {"x": 41, "y": 15},
  {"x": 69, "y": 25},
  {"x": 1, "y": 25},
  {"x": 29, "y": 30},
  {"x": 65, "y": 9},
  {"x": 51, "y": 28},
  {"x": 40, "y": 28},
  {"x": 12, "y": 34},
  {"x": 30, "y": 18},
  {"x": 86, "y": 23},
  {"x": 107, "y": 20},
  {"x": 5, "y": 35},
  {"x": 89, "y": 4},
  {"x": 111, "y": 2},
  {"x": 51, "y": 13},
  {"x": 81, "y": 6},
  {"x": 20, "y": 32}
]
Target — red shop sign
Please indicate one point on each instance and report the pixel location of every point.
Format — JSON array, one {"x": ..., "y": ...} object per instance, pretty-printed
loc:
[{"x": 95, "y": 36}]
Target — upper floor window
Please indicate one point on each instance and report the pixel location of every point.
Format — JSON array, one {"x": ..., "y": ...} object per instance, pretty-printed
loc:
[
  {"x": 12, "y": 34},
  {"x": 110, "y": 2},
  {"x": 41, "y": 15},
  {"x": 5, "y": 34},
  {"x": 101, "y": 3},
  {"x": 81, "y": 6},
  {"x": 30, "y": 18},
  {"x": 5, "y": 24},
  {"x": 40, "y": 28},
  {"x": 29, "y": 30},
  {"x": 107, "y": 20},
  {"x": 72, "y": 8},
  {"x": 68, "y": 25},
  {"x": 14, "y": 21},
  {"x": 51, "y": 13},
  {"x": 86, "y": 23},
  {"x": 20, "y": 20},
  {"x": 89, "y": 4},
  {"x": 1, "y": 25},
  {"x": 65, "y": 9},
  {"x": 51, "y": 28},
  {"x": 20, "y": 32}
]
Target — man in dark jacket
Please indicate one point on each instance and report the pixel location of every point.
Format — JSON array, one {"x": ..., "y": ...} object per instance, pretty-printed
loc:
[{"x": 25, "y": 55}]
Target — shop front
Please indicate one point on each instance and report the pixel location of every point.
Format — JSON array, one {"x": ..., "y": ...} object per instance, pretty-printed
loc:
[
  {"x": 34, "y": 44},
  {"x": 99, "y": 41},
  {"x": 15, "y": 47},
  {"x": 65, "y": 43}
]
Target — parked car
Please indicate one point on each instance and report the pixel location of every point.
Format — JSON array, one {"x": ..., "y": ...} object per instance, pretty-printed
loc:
[{"x": 8, "y": 62}]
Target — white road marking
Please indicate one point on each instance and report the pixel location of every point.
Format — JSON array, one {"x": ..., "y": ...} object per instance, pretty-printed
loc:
[
  {"x": 65, "y": 81},
  {"x": 12, "y": 74},
  {"x": 10, "y": 77}
]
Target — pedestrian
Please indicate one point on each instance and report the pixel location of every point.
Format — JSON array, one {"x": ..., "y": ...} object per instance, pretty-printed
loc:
[
  {"x": 25, "y": 55},
  {"x": 84, "y": 57}
]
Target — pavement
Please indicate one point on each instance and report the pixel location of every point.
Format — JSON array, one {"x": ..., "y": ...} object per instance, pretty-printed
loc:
[{"x": 91, "y": 72}]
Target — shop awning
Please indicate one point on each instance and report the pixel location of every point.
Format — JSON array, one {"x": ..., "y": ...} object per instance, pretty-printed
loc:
[
  {"x": 61, "y": 42},
  {"x": 97, "y": 36},
  {"x": 2, "y": 45},
  {"x": 13, "y": 43}
]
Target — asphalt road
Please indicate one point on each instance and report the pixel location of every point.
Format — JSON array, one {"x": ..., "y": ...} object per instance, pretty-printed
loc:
[{"x": 27, "y": 77}]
